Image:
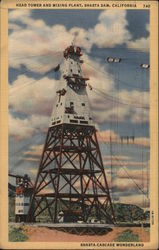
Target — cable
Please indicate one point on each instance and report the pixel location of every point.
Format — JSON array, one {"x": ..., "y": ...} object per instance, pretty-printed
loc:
[
  {"x": 130, "y": 177},
  {"x": 132, "y": 86},
  {"x": 112, "y": 99},
  {"x": 123, "y": 167},
  {"x": 49, "y": 54},
  {"x": 128, "y": 50},
  {"x": 30, "y": 70},
  {"x": 28, "y": 83}
]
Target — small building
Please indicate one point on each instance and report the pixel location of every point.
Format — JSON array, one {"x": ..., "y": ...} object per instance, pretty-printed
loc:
[
  {"x": 22, "y": 203},
  {"x": 22, "y": 199}
]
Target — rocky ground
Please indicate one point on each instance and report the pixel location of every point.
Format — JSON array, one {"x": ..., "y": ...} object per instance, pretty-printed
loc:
[{"x": 39, "y": 234}]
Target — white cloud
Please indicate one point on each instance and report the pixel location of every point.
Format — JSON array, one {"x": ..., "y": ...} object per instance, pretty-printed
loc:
[
  {"x": 97, "y": 73},
  {"x": 148, "y": 27},
  {"x": 39, "y": 121},
  {"x": 109, "y": 31},
  {"x": 113, "y": 107},
  {"x": 120, "y": 157},
  {"x": 19, "y": 15},
  {"x": 136, "y": 175},
  {"x": 31, "y": 159},
  {"x": 117, "y": 163},
  {"x": 134, "y": 97},
  {"x": 142, "y": 44},
  {"x": 104, "y": 136},
  {"x": 25, "y": 128},
  {"x": 34, "y": 99},
  {"x": 126, "y": 184},
  {"x": 34, "y": 150},
  {"x": 140, "y": 115},
  {"x": 47, "y": 41},
  {"x": 30, "y": 96},
  {"x": 14, "y": 26},
  {"x": 137, "y": 199},
  {"x": 20, "y": 129}
]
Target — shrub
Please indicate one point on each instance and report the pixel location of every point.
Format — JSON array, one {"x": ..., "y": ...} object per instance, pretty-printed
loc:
[
  {"x": 128, "y": 236},
  {"x": 16, "y": 234}
]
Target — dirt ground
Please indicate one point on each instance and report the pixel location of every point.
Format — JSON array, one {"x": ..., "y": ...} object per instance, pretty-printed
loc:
[{"x": 41, "y": 234}]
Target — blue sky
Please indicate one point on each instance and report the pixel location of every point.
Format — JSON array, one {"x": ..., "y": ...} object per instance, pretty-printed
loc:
[{"x": 120, "y": 106}]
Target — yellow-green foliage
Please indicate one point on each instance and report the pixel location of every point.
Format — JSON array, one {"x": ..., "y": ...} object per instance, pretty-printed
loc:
[
  {"x": 127, "y": 236},
  {"x": 16, "y": 234}
]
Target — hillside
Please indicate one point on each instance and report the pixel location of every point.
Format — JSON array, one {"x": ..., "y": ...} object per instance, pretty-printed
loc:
[{"x": 129, "y": 213}]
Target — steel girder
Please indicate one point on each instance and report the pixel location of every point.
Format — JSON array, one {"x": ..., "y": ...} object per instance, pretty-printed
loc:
[{"x": 71, "y": 175}]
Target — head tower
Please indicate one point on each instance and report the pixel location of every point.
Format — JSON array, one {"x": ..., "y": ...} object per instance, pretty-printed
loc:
[{"x": 71, "y": 181}]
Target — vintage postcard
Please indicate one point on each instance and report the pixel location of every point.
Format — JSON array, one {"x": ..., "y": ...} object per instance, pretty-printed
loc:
[{"x": 79, "y": 124}]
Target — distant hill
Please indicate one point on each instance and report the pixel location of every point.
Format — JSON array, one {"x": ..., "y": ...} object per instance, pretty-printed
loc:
[{"x": 129, "y": 213}]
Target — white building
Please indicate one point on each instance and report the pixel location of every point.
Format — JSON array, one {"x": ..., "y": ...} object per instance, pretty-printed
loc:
[{"x": 22, "y": 204}]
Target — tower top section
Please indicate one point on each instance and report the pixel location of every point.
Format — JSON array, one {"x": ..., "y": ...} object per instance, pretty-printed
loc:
[
  {"x": 72, "y": 51},
  {"x": 72, "y": 101}
]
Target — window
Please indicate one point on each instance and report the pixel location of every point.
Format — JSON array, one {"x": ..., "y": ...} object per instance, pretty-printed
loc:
[
  {"x": 79, "y": 117},
  {"x": 26, "y": 204},
  {"x": 83, "y": 122},
  {"x": 61, "y": 103},
  {"x": 73, "y": 121},
  {"x": 56, "y": 105},
  {"x": 71, "y": 104},
  {"x": 69, "y": 110},
  {"x": 83, "y": 104}
]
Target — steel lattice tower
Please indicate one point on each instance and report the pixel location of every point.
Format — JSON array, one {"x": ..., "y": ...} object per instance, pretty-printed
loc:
[{"x": 71, "y": 178}]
